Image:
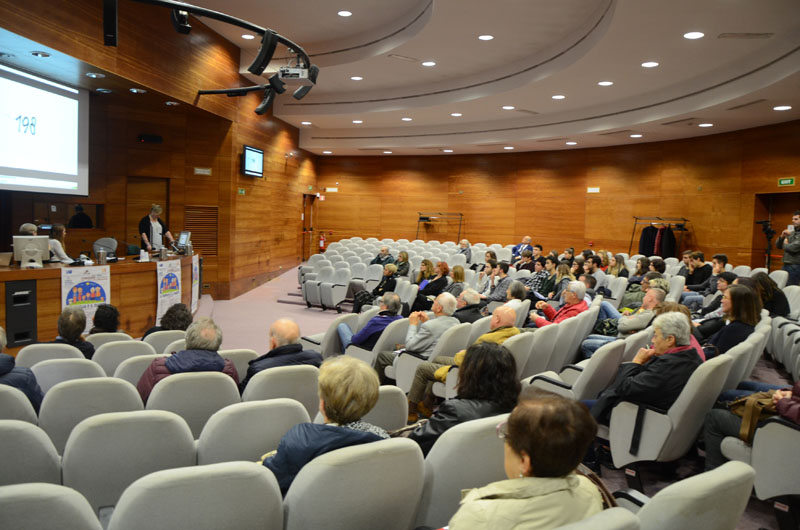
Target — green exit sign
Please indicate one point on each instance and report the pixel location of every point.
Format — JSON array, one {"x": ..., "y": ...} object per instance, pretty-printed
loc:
[
  {"x": 786, "y": 182},
  {"x": 241, "y": 191}
]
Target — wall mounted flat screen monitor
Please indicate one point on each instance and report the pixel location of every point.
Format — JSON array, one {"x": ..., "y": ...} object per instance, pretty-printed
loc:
[
  {"x": 253, "y": 162},
  {"x": 45, "y": 135}
]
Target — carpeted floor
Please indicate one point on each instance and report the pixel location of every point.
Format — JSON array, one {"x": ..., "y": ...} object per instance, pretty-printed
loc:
[{"x": 245, "y": 323}]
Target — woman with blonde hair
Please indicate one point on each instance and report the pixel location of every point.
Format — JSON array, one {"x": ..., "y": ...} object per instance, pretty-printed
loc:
[
  {"x": 603, "y": 259},
  {"x": 616, "y": 266},
  {"x": 58, "y": 244},
  {"x": 457, "y": 274},
  {"x": 563, "y": 277},
  {"x": 402, "y": 264},
  {"x": 425, "y": 273}
]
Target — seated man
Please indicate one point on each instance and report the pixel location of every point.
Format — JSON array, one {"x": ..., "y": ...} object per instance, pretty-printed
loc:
[
  {"x": 693, "y": 295},
  {"x": 383, "y": 257},
  {"x": 348, "y": 389},
  {"x": 499, "y": 280},
  {"x": 20, "y": 378},
  {"x": 699, "y": 270},
  {"x": 574, "y": 304},
  {"x": 501, "y": 328},
  {"x": 285, "y": 350},
  {"x": 423, "y": 333},
  {"x": 591, "y": 283},
  {"x": 71, "y": 324},
  {"x": 593, "y": 266},
  {"x": 469, "y": 306},
  {"x": 535, "y": 283},
  {"x": 368, "y": 336},
  {"x": 516, "y": 252},
  {"x": 526, "y": 261},
  {"x": 203, "y": 339},
  {"x": 635, "y": 294}
]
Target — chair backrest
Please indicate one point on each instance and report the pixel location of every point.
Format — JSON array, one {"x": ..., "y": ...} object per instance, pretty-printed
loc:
[
  {"x": 241, "y": 495},
  {"x": 445, "y": 472},
  {"x": 358, "y": 269},
  {"x": 740, "y": 356},
  {"x": 374, "y": 272},
  {"x": 522, "y": 313},
  {"x": 331, "y": 344},
  {"x": 364, "y": 317},
  {"x": 363, "y": 495},
  {"x": 479, "y": 327},
  {"x": 194, "y": 396},
  {"x": 108, "y": 452},
  {"x": 755, "y": 271},
  {"x": 240, "y": 358},
  {"x": 245, "y": 431},
  {"x": 110, "y": 354},
  {"x": 175, "y": 346},
  {"x": 780, "y": 277},
  {"x": 676, "y": 284},
  {"x": 28, "y": 455},
  {"x": 109, "y": 244},
  {"x": 599, "y": 372},
  {"x": 37, "y": 505},
  {"x": 35, "y": 353},
  {"x": 520, "y": 347},
  {"x": 15, "y": 405},
  {"x": 98, "y": 339},
  {"x": 714, "y": 500},
  {"x": 131, "y": 370},
  {"x": 452, "y": 341},
  {"x": 53, "y": 371},
  {"x": 742, "y": 270},
  {"x": 640, "y": 339},
  {"x": 341, "y": 265},
  {"x": 567, "y": 331},
  {"x": 159, "y": 340},
  {"x": 617, "y": 287},
  {"x": 609, "y": 519},
  {"x": 544, "y": 343},
  {"x": 69, "y": 403},
  {"x": 296, "y": 382},
  {"x": 391, "y": 411},
  {"x": 393, "y": 334}
]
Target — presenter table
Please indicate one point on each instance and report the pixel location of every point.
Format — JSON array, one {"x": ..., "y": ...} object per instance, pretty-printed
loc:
[{"x": 133, "y": 292}]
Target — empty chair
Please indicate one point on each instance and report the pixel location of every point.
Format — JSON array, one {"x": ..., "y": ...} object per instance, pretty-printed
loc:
[
  {"x": 391, "y": 411},
  {"x": 348, "y": 488},
  {"x": 393, "y": 334},
  {"x": 34, "y": 353},
  {"x": 522, "y": 313},
  {"x": 374, "y": 276},
  {"x": 175, "y": 346},
  {"x": 312, "y": 274},
  {"x": 109, "y": 244},
  {"x": 69, "y": 403},
  {"x": 194, "y": 396},
  {"x": 617, "y": 287},
  {"x": 240, "y": 358},
  {"x": 520, "y": 347},
  {"x": 358, "y": 270},
  {"x": 333, "y": 293},
  {"x": 341, "y": 265},
  {"x": 53, "y": 371},
  {"x": 409, "y": 293},
  {"x": 561, "y": 356},
  {"x": 159, "y": 340},
  {"x": 504, "y": 254},
  {"x": 37, "y": 505},
  {"x": 295, "y": 382},
  {"x": 111, "y": 354},
  {"x": 98, "y": 339},
  {"x": 311, "y": 290},
  {"x": 308, "y": 267},
  {"x": 15, "y": 405},
  {"x": 780, "y": 277},
  {"x": 245, "y": 431},
  {"x": 676, "y": 284},
  {"x": 241, "y": 495},
  {"x": 544, "y": 342},
  {"x": 28, "y": 455},
  {"x": 131, "y": 370},
  {"x": 609, "y": 519},
  {"x": 328, "y": 344},
  {"x": 741, "y": 270},
  {"x": 108, "y": 452}
]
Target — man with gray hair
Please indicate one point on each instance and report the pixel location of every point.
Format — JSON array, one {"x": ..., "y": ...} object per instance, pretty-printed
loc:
[
  {"x": 71, "y": 324},
  {"x": 28, "y": 229},
  {"x": 285, "y": 350},
  {"x": 203, "y": 338},
  {"x": 383, "y": 257},
  {"x": 469, "y": 306},
  {"x": 368, "y": 336},
  {"x": 423, "y": 332},
  {"x": 574, "y": 304}
]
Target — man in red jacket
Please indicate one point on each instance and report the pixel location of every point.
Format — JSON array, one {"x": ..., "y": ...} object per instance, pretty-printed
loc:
[
  {"x": 203, "y": 338},
  {"x": 574, "y": 304}
]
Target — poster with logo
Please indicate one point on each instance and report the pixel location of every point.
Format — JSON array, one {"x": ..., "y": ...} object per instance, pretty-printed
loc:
[
  {"x": 195, "y": 282},
  {"x": 169, "y": 286},
  {"x": 85, "y": 288}
]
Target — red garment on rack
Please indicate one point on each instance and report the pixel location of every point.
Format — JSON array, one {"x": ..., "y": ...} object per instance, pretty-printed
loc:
[{"x": 657, "y": 247}]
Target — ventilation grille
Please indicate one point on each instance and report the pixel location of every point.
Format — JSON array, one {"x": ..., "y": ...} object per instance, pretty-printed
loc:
[
  {"x": 745, "y": 35},
  {"x": 402, "y": 58},
  {"x": 743, "y": 105},
  {"x": 551, "y": 140},
  {"x": 614, "y": 133},
  {"x": 685, "y": 121},
  {"x": 202, "y": 221}
]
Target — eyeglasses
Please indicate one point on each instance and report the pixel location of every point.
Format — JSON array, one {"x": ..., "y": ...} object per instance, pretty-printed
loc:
[{"x": 502, "y": 430}]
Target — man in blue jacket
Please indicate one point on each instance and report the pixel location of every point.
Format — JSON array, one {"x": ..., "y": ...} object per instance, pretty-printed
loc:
[
  {"x": 18, "y": 377},
  {"x": 368, "y": 336}
]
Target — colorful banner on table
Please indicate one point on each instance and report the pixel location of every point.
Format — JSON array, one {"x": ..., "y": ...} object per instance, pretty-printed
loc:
[
  {"x": 195, "y": 282},
  {"x": 86, "y": 288},
  {"x": 169, "y": 286}
]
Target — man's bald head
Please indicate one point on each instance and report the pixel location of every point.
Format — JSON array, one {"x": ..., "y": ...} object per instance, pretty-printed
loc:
[
  {"x": 503, "y": 316},
  {"x": 284, "y": 331}
]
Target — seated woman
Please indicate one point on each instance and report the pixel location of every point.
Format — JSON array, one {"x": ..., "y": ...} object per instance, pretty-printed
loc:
[
  {"x": 105, "y": 320},
  {"x": 58, "y": 244},
  {"x": 545, "y": 438},
  {"x": 177, "y": 316},
  {"x": 642, "y": 268},
  {"x": 458, "y": 285},
  {"x": 658, "y": 265},
  {"x": 742, "y": 309},
  {"x": 563, "y": 277},
  {"x": 387, "y": 284},
  {"x": 348, "y": 389},
  {"x": 432, "y": 289},
  {"x": 487, "y": 386},
  {"x": 464, "y": 248},
  {"x": 616, "y": 266},
  {"x": 403, "y": 267},
  {"x": 489, "y": 256},
  {"x": 515, "y": 295},
  {"x": 425, "y": 273},
  {"x": 772, "y": 297},
  {"x": 605, "y": 262}
]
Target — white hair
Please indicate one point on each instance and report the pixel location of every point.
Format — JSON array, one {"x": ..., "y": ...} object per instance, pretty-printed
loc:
[
  {"x": 578, "y": 288},
  {"x": 203, "y": 334},
  {"x": 448, "y": 303},
  {"x": 674, "y": 324},
  {"x": 471, "y": 296}
]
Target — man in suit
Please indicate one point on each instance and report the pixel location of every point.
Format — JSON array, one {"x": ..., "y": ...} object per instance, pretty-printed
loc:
[
  {"x": 469, "y": 306},
  {"x": 423, "y": 332},
  {"x": 517, "y": 250}
]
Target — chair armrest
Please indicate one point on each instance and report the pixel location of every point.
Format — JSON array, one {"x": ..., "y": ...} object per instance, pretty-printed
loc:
[
  {"x": 630, "y": 499},
  {"x": 655, "y": 429},
  {"x": 413, "y": 354},
  {"x": 552, "y": 385},
  {"x": 570, "y": 373}
]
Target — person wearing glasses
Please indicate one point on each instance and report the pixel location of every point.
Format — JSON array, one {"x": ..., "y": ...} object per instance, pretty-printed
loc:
[{"x": 545, "y": 438}]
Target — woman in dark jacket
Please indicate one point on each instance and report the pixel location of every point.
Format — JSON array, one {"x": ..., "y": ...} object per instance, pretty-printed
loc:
[
  {"x": 403, "y": 266},
  {"x": 432, "y": 289},
  {"x": 742, "y": 309},
  {"x": 387, "y": 284},
  {"x": 487, "y": 386},
  {"x": 772, "y": 298}
]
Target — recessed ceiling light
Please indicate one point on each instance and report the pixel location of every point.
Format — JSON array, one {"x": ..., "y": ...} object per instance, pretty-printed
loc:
[
  {"x": 508, "y": 147},
  {"x": 558, "y": 96},
  {"x": 344, "y": 13},
  {"x": 95, "y": 75},
  {"x": 171, "y": 103},
  {"x": 650, "y": 64},
  {"x": 429, "y": 63},
  {"x": 605, "y": 83},
  {"x": 138, "y": 91},
  {"x": 104, "y": 90},
  {"x": 572, "y": 143},
  {"x": 358, "y": 121},
  {"x": 356, "y": 78},
  {"x": 447, "y": 150},
  {"x": 40, "y": 54},
  {"x": 327, "y": 152},
  {"x": 247, "y": 36},
  {"x": 406, "y": 119},
  {"x": 485, "y": 37},
  {"x": 509, "y": 107},
  {"x": 305, "y": 123},
  {"x": 456, "y": 114},
  {"x": 387, "y": 152},
  {"x": 705, "y": 124},
  {"x": 636, "y": 136},
  {"x": 693, "y": 35},
  {"x": 782, "y": 107}
]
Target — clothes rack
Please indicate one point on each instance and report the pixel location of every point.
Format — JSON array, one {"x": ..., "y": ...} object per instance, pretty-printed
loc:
[{"x": 679, "y": 222}]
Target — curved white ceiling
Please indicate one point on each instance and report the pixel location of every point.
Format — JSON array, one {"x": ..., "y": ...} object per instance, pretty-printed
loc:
[{"x": 747, "y": 63}]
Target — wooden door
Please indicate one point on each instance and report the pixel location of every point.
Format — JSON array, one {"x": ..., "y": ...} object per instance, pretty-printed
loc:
[
  {"x": 309, "y": 200},
  {"x": 141, "y": 194}
]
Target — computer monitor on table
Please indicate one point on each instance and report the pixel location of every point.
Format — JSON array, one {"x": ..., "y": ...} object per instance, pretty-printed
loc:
[
  {"x": 30, "y": 251},
  {"x": 184, "y": 238}
]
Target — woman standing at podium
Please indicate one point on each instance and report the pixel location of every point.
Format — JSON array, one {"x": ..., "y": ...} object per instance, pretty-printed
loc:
[{"x": 153, "y": 230}]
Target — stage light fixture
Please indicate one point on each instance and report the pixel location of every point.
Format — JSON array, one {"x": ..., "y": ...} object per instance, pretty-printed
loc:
[
  {"x": 268, "y": 43},
  {"x": 266, "y": 103},
  {"x": 180, "y": 21},
  {"x": 276, "y": 84},
  {"x": 301, "y": 92}
]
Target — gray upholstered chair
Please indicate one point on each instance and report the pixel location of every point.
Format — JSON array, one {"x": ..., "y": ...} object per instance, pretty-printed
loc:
[
  {"x": 37, "y": 505},
  {"x": 28, "y": 455},
  {"x": 111, "y": 354},
  {"x": 14, "y": 405},
  {"x": 98, "y": 339},
  {"x": 295, "y": 382},
  {"x": 35, "y": 353},
  {"x": 328, "y": 343},
  {"x": 53, "y": 371}
]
